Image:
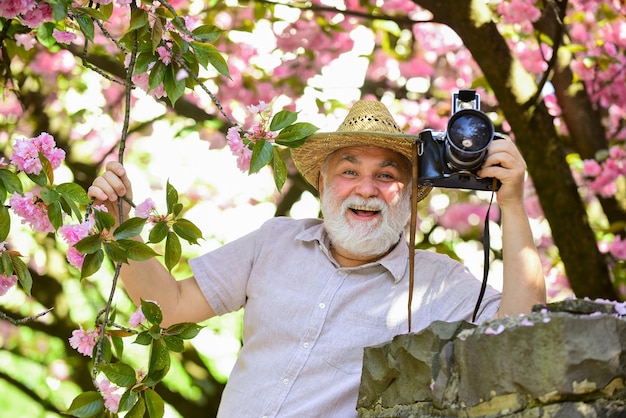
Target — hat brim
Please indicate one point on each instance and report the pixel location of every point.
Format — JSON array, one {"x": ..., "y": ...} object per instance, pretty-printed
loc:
[{"x": 310, "y": 157}]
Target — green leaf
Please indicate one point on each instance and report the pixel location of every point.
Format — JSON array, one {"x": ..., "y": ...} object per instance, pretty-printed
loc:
[
  {"x": 129, "y": 228},
  {"x": 118, "y": 344},
  {"x": 92, "y": 263},
  {"x": 156, "y": 34},
  {"x": 138, "y": 410},
  {"x": 5, "y": 223},
  {"x": 187, "y": 230},
  {"x": 86, "y": 26},
  {"x": 174, "y": 343},
  {"x": 128, "y": 399},
  {"x": 261, "y": 155},
  {"x": 173, "y": 87},
  {"x": 104, "y": 220},
  {"x": 171, "y": 197},
  {"x": 158, "y": 232},
  {"x": 46, "y": 168},
  {"x": 157, "y": 74},
  {"x": 138, "y": 19},
  {"x": 44, "y": 34},
  {"x": 11, "y": 182},
  {"x": 159, "y": 363},
  {"x": 70, "y": 207},
  {"x": 207, "y": 33},
  {"x": 184, "y": 330},
  {"x": 279, "y": 169},
  {"x": 39, "y": 179},
  {"x": 136, "y": 250},
  {"x": 143, "y": 338},
  {"x": 115, "y": 252},
  {"x": 178, "y": 208},
  {"x": 154, "y": 404},
  {"x": 152, "y": 312},
  {"x": 95, "y": 13},
  {"x": 283, "y": 119},
  {"x": 173, "y": 250},
  {"x": 208, "y": 54},
  {"x": 86, "y": 405},
  {"x": 295, "y": 135},
  {"x": 23, "y": 274},
  {"x": 6, "y": 264},
  {"x": 121, "y": 374},
  {"x": 55, "y": 214},
  {"x": 49, "y": 196},
  {"x": 89, "y": 245},
  {"x": 73, "y": 192},
  {"x": 59, "y": 11}
]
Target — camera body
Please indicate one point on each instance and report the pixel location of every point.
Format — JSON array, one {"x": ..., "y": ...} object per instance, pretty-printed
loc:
[{"x": 451, "y": 158}]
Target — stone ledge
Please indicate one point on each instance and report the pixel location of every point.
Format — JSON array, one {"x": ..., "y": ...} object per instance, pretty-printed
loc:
[{"x": 560, "y": 359}]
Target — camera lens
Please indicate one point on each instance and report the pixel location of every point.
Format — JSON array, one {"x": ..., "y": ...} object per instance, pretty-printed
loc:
[{"x": 469, "y": 134}]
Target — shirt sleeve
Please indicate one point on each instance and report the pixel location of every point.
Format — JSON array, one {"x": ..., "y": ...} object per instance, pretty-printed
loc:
[{"x": 223, "y": 273}]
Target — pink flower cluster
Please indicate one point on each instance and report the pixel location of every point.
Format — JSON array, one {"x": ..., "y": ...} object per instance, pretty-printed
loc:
[
  {"x": 110, "y": 393},
  {"x": 259, "y": 131},
  {"x": 617, "y": 248},
  {"x": 26, "y": 153},
  {"x": 84, "y": 341},
  {"x": 72, "y": 234},
  {"x": 602, "y": 176},
  {"x": 6, "y": 281},
  {"x": 144, "y": 209},
  {"x": 137, "y": 318},
  {"x": 31, "y": 12},
  {"x": 32, "y": 209}
]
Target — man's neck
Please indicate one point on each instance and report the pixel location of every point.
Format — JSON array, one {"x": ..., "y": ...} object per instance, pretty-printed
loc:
[{"x": 345, "y": 259}]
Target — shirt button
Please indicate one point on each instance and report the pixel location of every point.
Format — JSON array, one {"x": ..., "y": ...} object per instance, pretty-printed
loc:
[
  {"x": 285, "y": 381},
  {"x": 322, "y": 305},
  {"x": 305, "y": 345}
]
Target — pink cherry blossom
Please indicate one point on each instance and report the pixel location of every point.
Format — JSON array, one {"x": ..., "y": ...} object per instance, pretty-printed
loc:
[
  {"x": 38, "y": 15},
  {"x": 110, "y": 393},
  {"x": 63, "y": 37},
  {"x": 144, "y": 209},
  {"x": 164, "y": 55},
  {"x": 84, "y": 341},
  {"x": 10, "y": 9},
  {"x": 137, "y": 318},
  {"x": 618, "y": 248},
  {"x": 32, "y": 210},
  {"x": 26, "y": 40},
  {"x": 6, "y": 283},
  {"x": 26, "y": 153}
]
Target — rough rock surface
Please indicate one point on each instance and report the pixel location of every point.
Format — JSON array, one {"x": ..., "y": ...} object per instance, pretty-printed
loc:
[{"x": 563, "y": 360}]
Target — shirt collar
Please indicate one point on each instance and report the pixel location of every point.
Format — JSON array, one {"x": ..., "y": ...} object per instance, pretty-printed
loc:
[{"x": 396, "y": 262}]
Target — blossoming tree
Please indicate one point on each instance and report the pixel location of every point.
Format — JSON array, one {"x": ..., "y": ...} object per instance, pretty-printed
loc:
[{"x": 87, "y": 81}]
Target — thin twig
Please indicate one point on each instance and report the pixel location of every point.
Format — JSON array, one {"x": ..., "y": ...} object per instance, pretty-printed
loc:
[{"x": 21, "y": 321}]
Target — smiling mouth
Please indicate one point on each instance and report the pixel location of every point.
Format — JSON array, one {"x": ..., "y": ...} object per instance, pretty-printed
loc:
[{"x": 364, "y": 211}]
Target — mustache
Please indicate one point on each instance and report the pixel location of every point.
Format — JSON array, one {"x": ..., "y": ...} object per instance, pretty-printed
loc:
[{"x": 359, "y": 203}]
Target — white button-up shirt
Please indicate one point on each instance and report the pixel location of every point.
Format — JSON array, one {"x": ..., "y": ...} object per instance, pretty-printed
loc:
[{"x": 307, "y": 320}]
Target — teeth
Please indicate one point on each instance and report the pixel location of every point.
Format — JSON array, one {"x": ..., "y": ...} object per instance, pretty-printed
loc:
[{"x": 366, "y": 208}]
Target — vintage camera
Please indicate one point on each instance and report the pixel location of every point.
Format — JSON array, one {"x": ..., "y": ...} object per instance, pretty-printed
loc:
[{"x": 451, "y": 158}]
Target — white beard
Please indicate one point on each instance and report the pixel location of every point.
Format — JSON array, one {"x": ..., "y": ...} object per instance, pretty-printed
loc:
[{"x": 365, "y": 238}]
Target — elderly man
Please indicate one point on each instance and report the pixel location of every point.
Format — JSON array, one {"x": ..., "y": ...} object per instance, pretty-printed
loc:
[{"x": 315, "y": 292}]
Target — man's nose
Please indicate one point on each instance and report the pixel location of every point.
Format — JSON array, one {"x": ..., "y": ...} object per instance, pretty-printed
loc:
[{"x": 367, "y": 187}]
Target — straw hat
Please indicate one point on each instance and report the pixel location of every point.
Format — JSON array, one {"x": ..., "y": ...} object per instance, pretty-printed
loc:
[{"x": 368, "y": 123}]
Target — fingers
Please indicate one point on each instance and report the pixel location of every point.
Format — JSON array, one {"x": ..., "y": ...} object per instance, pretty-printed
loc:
[
  {"x": 113, "y": 183},
  {"x": 503, "y": 161}
]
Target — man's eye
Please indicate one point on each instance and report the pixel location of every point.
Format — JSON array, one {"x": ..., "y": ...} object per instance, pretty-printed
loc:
[{"x": 350, "y": 172}]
